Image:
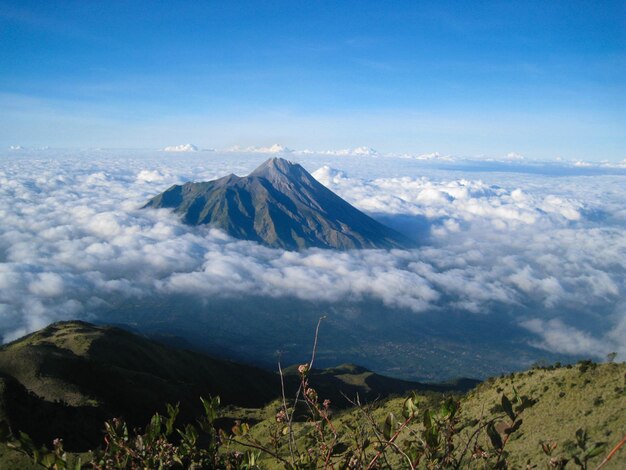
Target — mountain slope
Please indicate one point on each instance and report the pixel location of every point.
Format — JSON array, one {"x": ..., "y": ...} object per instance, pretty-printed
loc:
[
  {"x": 280, "y": 205},
  {"x": 349, "y": 380},
  {"x": 68, "y": 378},
  {"x": 561, "y": 400},
  {"x": 588, "y": 396}
]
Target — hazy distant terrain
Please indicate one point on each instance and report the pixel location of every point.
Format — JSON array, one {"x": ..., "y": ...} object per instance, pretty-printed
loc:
[{"x": 522, "y": 261}]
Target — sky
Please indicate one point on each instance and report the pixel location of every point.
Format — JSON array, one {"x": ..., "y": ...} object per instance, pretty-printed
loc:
[{"x": 541, "y": 79}]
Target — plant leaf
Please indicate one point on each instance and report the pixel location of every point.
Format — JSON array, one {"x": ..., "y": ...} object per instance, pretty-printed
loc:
[
  {"x": 508, "y": 407},
  {"x": 388, "y": 427},
  {"x": 494, "y": 437},
  {"x": 596, "y": 450}
]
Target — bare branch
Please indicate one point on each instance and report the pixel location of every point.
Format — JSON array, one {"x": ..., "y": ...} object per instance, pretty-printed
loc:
[
  {"x": 612, "y": 453},
  {"x": 317, "y": 329},
  {"x": 291, "y": 439}
]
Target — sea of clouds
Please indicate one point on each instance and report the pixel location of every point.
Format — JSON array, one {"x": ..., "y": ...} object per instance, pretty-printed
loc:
[{"x": 546, "y": 248}]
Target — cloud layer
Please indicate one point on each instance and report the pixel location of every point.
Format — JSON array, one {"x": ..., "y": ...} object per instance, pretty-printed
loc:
[{"x": 549, "y": 252}]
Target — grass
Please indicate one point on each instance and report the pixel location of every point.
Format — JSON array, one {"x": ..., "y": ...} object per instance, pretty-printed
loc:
[
  {"x": 567, "y": 399},
  {"x": 594, "y": 400}
]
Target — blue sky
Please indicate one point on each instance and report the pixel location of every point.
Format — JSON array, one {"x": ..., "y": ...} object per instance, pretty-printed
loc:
[{"x": 543, "y": 79}]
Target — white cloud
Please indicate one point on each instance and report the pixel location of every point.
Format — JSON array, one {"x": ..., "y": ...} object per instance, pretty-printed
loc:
[
  {"x": 181, "y": 148},
  {"x": 362, "y": 151},
  {"x": 47, "y": 285},
  {"x": 434, "y": 156},
  {"x": 457, "y": 199},
  {"x": 329, "y": 176},
  {"x": 514, "y": 156},
  {"x": 618, "y": 164},
  {"x": 549, "y": 251},
  {"x": 556, "y": 336},
  {"x": 150, "y": 176},
  {"x": 274, "y": 149}
]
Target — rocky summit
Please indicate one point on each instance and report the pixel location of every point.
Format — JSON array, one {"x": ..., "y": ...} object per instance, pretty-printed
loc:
[{"x": 279, "y": 205}]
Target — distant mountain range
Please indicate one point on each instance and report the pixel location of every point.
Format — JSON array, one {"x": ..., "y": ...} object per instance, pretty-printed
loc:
[{"x": 279, "y": 205}]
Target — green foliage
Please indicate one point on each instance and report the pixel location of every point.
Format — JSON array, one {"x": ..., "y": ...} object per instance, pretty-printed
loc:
[
  {"x": 193, "y": 446},
  {"x": 430, "y": 435},
  {"x": 54, "y": 459},
  {"x": 586, "y": 450},
  {"x": 584, "y": 366}
]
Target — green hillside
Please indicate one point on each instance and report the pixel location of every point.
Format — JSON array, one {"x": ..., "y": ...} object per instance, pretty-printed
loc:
[
  {"x": 67, "y": 379},
  {"x": 82, "y": 374},
  {"x": 567, "y": 398},
  {"x": 560, "y": 401}
]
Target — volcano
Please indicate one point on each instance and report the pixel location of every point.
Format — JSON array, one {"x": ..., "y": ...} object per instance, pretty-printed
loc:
[{"x": 279, "y": 205}]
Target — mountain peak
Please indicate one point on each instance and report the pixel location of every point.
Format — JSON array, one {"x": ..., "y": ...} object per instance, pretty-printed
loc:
[
  {"x": 274, "y": 163},
  {"x": 278, "y": 168},
  {"x": 280, "y": 205}
]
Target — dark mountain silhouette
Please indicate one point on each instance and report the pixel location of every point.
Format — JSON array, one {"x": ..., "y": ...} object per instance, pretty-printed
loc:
[{"x": 280, "y": 205}]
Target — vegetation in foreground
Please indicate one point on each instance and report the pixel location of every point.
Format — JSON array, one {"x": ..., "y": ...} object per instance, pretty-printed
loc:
[
  {"x": 70, "y": 377},
  {"x": 550, "y": 417}
]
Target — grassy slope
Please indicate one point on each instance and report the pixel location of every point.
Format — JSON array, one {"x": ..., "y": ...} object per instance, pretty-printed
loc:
[
  {"x": 71, "y": 376},
  {"x": 11, "y": 460},
  {"x": 82, "y": 364},
  {"x": 566, "y": 400},
  {"x": 67, "y": 378}
]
